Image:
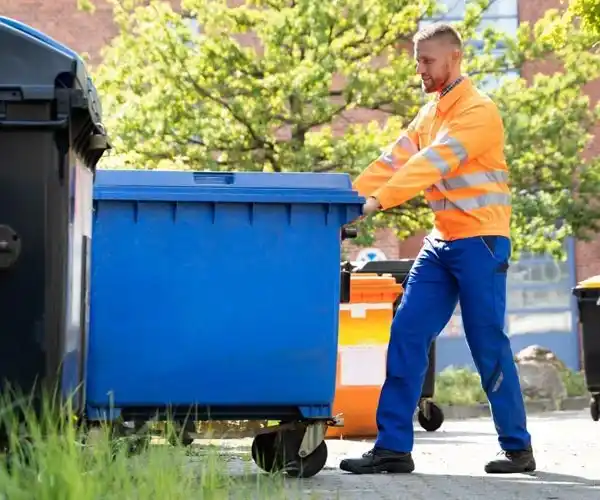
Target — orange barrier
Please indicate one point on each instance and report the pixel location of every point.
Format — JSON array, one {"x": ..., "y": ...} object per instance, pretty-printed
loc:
[{"x": 364, "y": 333}]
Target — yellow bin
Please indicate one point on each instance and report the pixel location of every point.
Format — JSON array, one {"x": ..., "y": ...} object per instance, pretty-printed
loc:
[{"x": 364, "y": 333}]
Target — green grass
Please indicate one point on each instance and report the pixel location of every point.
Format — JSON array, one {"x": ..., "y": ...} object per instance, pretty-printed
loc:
[
  {"x": 462, "y": 386},
  {"x": 48, "y": 460},
  {"x": 574, "y": 383},
  {"x": 458, "y": 386}
]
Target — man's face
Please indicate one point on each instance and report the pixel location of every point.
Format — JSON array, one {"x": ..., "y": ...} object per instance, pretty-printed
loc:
[{"x": 436, "y": 60}]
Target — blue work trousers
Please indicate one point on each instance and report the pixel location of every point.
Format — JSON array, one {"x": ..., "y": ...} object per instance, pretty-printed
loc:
[{"x": 472, "y": 271}]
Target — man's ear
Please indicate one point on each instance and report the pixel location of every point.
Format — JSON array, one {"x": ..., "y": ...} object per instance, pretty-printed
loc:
[{"x": 456, "y": 55}]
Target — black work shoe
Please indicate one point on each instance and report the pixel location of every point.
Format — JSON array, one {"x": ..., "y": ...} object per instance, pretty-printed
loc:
[
  {"x": 377, "y": 461},
  {"x": 514, "y": 462}
]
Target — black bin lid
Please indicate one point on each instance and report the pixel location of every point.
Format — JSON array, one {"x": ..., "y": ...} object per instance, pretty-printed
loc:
[
  {"x": 37, "y": 68},
  {"x": 32, "y": 62}
]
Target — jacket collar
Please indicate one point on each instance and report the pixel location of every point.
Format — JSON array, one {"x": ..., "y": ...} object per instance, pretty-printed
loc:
[{"x": 448, "y": 99}]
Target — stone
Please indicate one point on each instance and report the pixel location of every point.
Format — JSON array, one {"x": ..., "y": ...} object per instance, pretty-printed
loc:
[
  {"x": 538, "y": 353},
  {"x": 540, "y": 374}
]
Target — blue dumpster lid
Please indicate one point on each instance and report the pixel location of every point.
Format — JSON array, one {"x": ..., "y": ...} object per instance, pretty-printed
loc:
[{"x": 265, "y": 187}]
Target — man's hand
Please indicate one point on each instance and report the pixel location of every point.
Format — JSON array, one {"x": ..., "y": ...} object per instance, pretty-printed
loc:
[{"x": 371, "y": 206}]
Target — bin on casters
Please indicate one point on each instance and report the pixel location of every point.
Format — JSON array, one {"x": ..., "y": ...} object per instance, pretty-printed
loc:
[
  {"x": 216, "y": 296},
  {"x": 430, "y": 416},
  {"x": 51, "y": 138},
  {"x": 364, "y": 334},
  {"x": 588, "y": 297}
]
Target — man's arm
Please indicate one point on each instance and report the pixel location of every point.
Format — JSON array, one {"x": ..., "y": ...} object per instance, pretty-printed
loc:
[
  {"x": 383, "y": 168},
  {"x": 469, "y": 135}
]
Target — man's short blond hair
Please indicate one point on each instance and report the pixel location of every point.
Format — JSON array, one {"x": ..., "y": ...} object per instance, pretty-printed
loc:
[{"x": 439, "y": 31}]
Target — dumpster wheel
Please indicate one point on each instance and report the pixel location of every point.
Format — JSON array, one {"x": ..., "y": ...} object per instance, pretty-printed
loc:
[
  {"x": 431, "y": 416},
  {"x": 310, "y": 465},
  {"x": 595, "y": 407},
  {"x": 291, "y": 449},
  {"x": 266, "y": 453}
]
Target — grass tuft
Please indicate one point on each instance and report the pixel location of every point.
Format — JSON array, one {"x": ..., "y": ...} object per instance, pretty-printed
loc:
[{"x": 52, "y": 457}]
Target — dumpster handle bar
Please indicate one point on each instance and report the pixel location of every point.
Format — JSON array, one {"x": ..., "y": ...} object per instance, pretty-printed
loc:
[
  {"x": 31, "y": 124},
  {"x": 596, "y": 300}
]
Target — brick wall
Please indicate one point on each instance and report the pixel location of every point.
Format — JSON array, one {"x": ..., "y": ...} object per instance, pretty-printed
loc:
[
  {"x": 61, "y": 20},
  {"x": 386, "y": 241}
]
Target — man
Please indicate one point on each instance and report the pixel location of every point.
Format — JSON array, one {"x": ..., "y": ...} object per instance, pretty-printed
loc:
[{"x": 452, "y": 150}]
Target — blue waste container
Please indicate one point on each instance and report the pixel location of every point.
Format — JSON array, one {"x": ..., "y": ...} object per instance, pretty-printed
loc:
[{"x": 217, "y": 294}]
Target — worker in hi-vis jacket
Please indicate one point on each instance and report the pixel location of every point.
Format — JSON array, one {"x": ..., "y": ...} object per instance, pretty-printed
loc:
[{"x": 453, "y": 151}]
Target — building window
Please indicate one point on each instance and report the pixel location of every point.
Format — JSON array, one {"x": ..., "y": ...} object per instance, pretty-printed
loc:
[
  {"x": 503, "y": 14},
  {"x": 192, "y": 24}
]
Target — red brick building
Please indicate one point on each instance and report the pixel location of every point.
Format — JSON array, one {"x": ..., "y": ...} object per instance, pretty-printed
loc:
[{"x": 532, "y": 305}]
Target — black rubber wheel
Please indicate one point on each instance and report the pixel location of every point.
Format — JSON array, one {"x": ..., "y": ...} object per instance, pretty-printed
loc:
[
  {"x": 435, "y": 420},
  {"x": 595, "y": 409},
  {"x": 309, "y": 466},
  {"x": 278, "y": 451},
  {"x": 266, "y": 452}
]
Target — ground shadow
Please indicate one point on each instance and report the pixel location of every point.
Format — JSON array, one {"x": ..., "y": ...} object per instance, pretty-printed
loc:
[
  {"x": 439, "y": 437},
  {"x": 439, "y": 434}
]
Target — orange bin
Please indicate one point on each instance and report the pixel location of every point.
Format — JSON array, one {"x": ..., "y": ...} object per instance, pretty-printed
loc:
[{"x": 364, "y": 333}]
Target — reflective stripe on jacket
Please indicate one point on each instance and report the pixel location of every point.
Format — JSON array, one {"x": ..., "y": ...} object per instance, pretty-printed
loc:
[{"x": 454, "y": 151}]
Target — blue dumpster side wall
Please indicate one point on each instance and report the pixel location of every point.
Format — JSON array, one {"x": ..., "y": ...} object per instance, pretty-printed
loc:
[{"x": 217, "y": 303}]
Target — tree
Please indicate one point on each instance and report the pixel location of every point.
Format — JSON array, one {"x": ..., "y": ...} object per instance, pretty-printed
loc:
[
  {"x": 176, "y": 97},
  {"x": 588, "y": 12}
]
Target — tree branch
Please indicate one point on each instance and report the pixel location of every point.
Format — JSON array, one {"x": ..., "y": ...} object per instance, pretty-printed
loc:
[
  {"x": 369, "y": 51},
  {"x": 258, "y": 141}
]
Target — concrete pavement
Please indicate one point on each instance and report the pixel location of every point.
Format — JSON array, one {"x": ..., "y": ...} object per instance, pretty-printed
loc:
[{"x": 449, "y": 465}]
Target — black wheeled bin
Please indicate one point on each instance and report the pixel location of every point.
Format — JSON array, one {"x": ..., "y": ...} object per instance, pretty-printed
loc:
[
  {"x": 430, "y": 415},
  {"x": 588, "y": 298},
  {"x": 51, "y": 139}
]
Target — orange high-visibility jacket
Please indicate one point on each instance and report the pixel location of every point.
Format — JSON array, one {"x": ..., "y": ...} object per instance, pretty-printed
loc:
[{"x": 454, "y": 151}]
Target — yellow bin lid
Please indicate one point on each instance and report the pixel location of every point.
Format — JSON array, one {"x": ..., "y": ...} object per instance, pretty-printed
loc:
[
  {"x": 593, "y": 282},
  {"x": 367, "y": 287}
]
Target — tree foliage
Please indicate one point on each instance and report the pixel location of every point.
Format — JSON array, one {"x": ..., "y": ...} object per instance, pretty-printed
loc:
[
  {"x": 275, "y": 85},
  {"x": 588, "y": 11}
]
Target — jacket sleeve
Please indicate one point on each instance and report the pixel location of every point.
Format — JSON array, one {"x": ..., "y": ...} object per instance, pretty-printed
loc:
[
  {"x": 467, "y": 136},
  {"x": 381, "y": 170}
]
